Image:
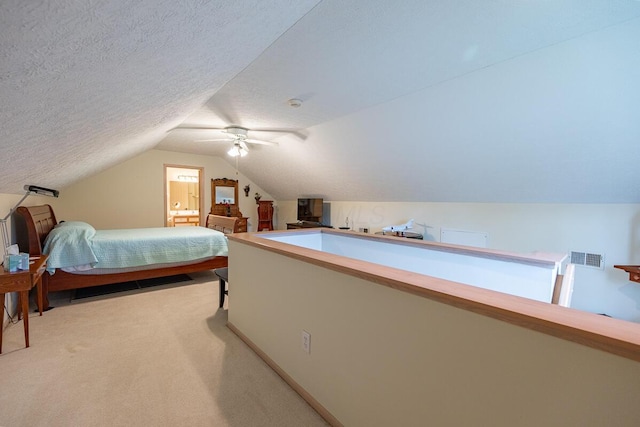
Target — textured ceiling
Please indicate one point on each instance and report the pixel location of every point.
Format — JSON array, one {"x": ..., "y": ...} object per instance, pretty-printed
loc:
[
  {"x": 86, "y": 85},
  {"x": 408, "y": 100}
]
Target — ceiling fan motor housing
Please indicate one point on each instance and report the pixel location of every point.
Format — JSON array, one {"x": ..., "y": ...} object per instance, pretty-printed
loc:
[{"x": 236, "y": 131}]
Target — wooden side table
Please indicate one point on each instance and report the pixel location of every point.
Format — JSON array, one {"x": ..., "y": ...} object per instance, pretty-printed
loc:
[
  {"x": 22, "y": 282},
  {"x": 242, "y": 224}
]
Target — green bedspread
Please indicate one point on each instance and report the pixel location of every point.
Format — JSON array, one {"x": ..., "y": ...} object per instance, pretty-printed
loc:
[{"x": 77, "y": 243}]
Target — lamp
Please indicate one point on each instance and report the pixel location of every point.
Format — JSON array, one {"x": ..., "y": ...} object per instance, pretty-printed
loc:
[
  {"x": 30, "y": 189},
  {"x": 237, "y": 150}
]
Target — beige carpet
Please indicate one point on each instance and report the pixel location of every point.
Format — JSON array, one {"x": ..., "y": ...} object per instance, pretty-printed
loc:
[{"x": 153, "y": 357}]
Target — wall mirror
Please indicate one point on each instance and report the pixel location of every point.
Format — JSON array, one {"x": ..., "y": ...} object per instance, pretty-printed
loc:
[{"x": 224, "y": 197}]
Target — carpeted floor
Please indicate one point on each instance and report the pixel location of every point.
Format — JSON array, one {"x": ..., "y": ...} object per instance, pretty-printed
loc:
[{"x": 159, "y": 356}]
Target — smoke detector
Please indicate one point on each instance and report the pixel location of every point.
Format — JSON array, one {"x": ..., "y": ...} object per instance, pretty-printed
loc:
[{"x": 295, "y": 103}]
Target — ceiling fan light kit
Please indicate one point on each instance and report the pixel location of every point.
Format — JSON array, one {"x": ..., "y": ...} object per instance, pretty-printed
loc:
[{"x": 237, "y": 150}]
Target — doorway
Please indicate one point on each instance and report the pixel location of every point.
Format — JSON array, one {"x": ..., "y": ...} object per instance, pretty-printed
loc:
[{"x": 183, "y": 196}]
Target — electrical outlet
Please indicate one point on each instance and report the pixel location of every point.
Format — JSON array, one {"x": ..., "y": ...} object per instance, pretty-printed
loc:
[
  {"x": 363, "y": 230},
  {"x": 306, "y": 341}
]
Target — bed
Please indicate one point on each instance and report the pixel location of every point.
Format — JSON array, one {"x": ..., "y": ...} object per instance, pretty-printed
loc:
[{"x": 35, "y": 223}]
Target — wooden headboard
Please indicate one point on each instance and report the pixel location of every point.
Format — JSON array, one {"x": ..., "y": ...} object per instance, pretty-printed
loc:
[
  {"x": 33, "y": 224},
  {"x": 225, "y": 224}
]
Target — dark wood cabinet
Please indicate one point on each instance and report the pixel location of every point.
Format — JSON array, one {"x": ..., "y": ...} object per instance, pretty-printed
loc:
[
  {"x": 304, "y": 224},
  {"x": 265, "y": 215}
]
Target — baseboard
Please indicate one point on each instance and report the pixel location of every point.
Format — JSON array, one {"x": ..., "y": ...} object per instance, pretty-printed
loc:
[{"x": 324, "y": 413}]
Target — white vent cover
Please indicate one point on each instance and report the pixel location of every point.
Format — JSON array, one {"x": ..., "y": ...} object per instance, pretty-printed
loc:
[{"x": 587, "y": 259}]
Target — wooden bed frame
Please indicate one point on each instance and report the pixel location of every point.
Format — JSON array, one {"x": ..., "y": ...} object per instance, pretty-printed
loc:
[
  {"x": 225, "y": 224},
  {"x": 34, "y": 223}
]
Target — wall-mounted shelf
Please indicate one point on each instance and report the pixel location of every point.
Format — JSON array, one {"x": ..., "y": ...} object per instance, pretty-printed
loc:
[{"x": 633, "y": 270}]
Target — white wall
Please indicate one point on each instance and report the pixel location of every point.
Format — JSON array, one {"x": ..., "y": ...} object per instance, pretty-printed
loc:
[{"x": 611, "y": 229}]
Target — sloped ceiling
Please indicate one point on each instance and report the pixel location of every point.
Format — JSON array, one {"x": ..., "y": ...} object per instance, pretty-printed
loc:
[{"x": 423, "y": 100}]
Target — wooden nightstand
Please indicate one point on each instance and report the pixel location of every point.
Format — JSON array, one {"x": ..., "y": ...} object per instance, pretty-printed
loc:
[
  {"x": 22, "y": 282},
  {"x": 242, "y": 224}
]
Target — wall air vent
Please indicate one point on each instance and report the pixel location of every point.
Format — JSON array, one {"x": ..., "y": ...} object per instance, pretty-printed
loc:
[{"x": 587, "y": 259}]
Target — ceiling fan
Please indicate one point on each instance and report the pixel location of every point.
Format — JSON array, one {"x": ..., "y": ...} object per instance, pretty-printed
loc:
[{"x": 238, "y": 135}]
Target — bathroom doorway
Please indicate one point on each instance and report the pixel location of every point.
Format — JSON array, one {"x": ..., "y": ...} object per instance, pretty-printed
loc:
[{"x": 183, "y": 196}]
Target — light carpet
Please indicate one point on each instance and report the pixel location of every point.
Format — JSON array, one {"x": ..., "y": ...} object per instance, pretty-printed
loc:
[{"x": 149, "y": 357}]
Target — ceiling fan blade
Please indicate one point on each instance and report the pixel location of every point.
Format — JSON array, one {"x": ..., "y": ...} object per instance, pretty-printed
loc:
[
  {"x": 196, "y": 128},
  {"x": 258, "y": 141},
  {"x": 296, "y": 132},
  {"x": 214, "y": 140},
  {"x": 240, "y": 133}
]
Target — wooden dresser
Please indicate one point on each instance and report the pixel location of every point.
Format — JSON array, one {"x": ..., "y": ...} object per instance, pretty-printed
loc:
[{"x": 224, "y": 202}]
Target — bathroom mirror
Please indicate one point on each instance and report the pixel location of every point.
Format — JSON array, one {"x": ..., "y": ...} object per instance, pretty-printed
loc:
[{"x": 183, "y": 195}]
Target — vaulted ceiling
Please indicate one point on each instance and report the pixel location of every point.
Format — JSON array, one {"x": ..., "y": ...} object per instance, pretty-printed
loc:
[{"x": 423, "y": 100}]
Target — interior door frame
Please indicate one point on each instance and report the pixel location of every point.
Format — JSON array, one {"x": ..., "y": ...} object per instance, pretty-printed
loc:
[{"x": 167, "y": 208}]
